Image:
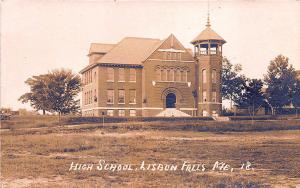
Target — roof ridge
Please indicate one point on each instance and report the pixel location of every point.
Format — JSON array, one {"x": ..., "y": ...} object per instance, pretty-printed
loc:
[
  {"x": 147, "y": 38},
  {"x": 102, "y": 43}
]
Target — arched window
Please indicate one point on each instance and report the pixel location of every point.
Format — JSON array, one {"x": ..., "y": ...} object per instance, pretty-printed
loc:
[
  {"x": 163, "y": 74},
  {"x": 204, "y": 76},
  {"x": 185, "y": 76},
  {"x": 172, "y": 75},
  {"x": 168, "y": 75},
  {"x": 177, "y": 76},
  {"x": 182, "y": 76},
  {"x": 158, "y": 75},
  {"x": 214, "y": 76}
]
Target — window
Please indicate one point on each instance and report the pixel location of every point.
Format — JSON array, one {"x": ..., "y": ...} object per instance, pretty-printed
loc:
[
  {"x": 95, "y": 76},
  {"x": 163, "y": 74},
  {"x": 132, "y": 96},
  {"x": 121, "y": 75},
  {"x": 110, "y": 74},
  {"x": 214, "y": 76},
  {"x": 87, "y": 97},
  {"x": 204, "y": 96},
  {"x": 132, "y": 75},
  {"x": 214, "y": 96},
  {"x": 158, "y": 75},
  {"x": 182, "y": 75},
  {"x": 168, "y": 55},
  {"x": 110, "y": 112},
  {"x": 132, "y": 113},
  {"x": 95, "y": 95},
  {"x": 110, "y": 96},
  {"x": 168, "y": 75},
  {"x": 121, "y": 113},
  {"x": 177, "y": 76},
  {"x": 204, "y": 76},
  {"x": 121, "y": 99},
  {"x": 172, "y": 75}
]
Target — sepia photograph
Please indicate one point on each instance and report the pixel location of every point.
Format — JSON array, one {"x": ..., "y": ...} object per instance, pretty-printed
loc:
[{"x": 152, "y": 93}]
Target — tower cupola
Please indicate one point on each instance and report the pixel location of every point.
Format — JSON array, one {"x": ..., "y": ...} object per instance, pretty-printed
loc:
[{"x": 208, "y": 42}]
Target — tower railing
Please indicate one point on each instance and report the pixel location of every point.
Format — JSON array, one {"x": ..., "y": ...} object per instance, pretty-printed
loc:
[{"x": 209, "y": 52}]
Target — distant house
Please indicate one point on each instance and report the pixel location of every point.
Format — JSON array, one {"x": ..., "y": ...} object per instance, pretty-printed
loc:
[{"x": 9, "y": 111}]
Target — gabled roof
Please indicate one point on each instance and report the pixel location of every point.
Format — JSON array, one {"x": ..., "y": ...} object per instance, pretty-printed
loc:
[
  {"x": 131, "y": 50},
  {"x": 208, "y": 34},
  {"x": 100, "y": 48}
]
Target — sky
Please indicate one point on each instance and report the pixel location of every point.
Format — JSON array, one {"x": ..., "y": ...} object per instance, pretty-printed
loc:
[{"x": 42, "y": 35}]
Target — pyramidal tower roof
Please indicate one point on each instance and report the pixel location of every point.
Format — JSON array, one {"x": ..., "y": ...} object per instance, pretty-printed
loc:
[{"x": 208, "y": 34}]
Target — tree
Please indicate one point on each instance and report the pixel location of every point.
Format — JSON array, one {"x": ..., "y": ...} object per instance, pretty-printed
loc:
[
  {"x": 37, "y": 95},
  {"x": 252, "y": 96},
  {"x": 54, "y": 92},
  {"x": 232, "y": 81},
  {"x": 280, "y": 80}
]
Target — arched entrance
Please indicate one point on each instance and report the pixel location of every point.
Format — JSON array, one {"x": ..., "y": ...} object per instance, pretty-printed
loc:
[{"x": 171, "y": 100}]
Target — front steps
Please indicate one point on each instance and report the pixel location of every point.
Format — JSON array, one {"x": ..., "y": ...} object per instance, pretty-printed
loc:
[{"x": 172, "y": 112}]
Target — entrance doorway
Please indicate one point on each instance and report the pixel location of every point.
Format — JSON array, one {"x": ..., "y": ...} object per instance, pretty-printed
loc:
[{"x": 171, "y": 100}]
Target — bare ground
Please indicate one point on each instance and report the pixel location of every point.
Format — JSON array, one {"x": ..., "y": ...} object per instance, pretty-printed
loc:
[{"x": 42, "y": 158}]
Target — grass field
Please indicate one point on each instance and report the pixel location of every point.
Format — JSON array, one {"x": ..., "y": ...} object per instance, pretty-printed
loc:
[{"x": 40, "y": 156}]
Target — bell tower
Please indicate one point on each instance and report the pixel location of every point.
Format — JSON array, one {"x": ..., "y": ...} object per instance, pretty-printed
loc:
[{"x": 208, "y": 56}]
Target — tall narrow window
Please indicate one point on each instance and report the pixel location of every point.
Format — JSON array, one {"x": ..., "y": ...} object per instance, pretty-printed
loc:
[
  {"x": 95, "y": 95},
  {"x": 110, "y": 74},
  {"x": 214, "y": 96},
  {"x": 121, "y": 99},
  {"x": 177, "y": 76},
  {"x": 168, "y": 75},
  {"x": 204, "y": 96},
  {"x": 172, "y": 75},
  {"x": 110, "y": 96},
  {"x": 204, "y": 76},
  {"x": 132, "y": 96},
  {"x": 91, "y": 96},
  {"x": 182, "y": 74},
  {"x": 132, "y": 75},
  {"x": 214, "y": 76},
  {"x": 121, "y": 75},
  {"x": 158, "y": 75},
  {"x": 95, "y": 76},
  {"x": 163, "y": 74},
  {"x": 87, "y": 97}
]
